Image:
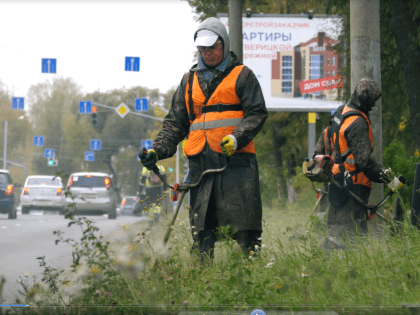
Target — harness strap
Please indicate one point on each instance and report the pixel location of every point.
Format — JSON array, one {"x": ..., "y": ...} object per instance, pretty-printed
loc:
[
  {"x": 190, "y": 101},
  {"x": 220, "y": 108}
]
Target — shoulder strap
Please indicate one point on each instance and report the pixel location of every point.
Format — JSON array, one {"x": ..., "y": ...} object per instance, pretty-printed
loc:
[{"x": 190, "y": 101}]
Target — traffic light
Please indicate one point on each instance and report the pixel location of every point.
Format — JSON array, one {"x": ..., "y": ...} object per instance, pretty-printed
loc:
[
  {"x": 94, "y": 115},
  {"x": 52, "y": 162}
]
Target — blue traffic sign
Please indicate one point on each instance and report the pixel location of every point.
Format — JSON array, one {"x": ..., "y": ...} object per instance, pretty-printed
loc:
[
  {"x": 18, "y": 103},
  {"x": 38, "y": 141},
  {"x": 89, "y": 156},
  {"x": 85, "y": 107},
  {"x": 49, "y": 65},
  {"x": 258, "y": 312},
  {"x": 147, "y": 144},
  {"x": 49, "y": 153},
  {"x": 142, "y": 105},
  {"x": 132, "y": 63},
  {"x": 95, "y": 145}
]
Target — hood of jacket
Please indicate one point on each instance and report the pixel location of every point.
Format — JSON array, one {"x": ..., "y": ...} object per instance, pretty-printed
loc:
[
  {"x": 216, "y": 26},
  {"x": 365, "y": 94}
]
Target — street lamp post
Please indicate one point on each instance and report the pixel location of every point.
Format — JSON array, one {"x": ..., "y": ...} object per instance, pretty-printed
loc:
[{"x": 5, "y": 145}]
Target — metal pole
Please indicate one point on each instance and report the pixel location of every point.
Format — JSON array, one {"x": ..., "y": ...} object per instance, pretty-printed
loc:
[
  {"x": 366, "y": 63},
  {"x": 415, "y": 201},
  {"x": 5, "y": 145},
  {"x": 131, "y": 112},
  {"x": 177, "y": 164},
  {"x": 311, "y": 134},
  {"x": 235, "y": 28}
]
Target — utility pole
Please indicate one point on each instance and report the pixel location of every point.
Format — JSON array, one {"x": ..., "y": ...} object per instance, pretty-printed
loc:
[
  {"x": 5, "y": 145},
  {"x": 366, "y": 62},
  {"x": 235, "y": 28}
]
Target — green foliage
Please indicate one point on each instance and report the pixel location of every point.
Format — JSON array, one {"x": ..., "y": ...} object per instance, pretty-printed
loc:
[
  {"x": 401, "y": 162},
  {"x": 289, "y": 273}
]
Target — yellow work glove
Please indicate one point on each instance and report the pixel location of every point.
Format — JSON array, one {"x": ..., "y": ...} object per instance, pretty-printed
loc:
[
  {"x": 395, "y": 184},
  {"x": 229, "y": 145}
]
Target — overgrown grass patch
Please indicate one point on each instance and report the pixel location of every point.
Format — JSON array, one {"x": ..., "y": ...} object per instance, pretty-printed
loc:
[{"x": 134, "y": 273}]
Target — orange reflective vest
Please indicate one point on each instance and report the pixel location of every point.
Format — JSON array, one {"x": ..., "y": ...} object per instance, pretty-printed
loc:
[
  {"x": 215, "y": 117},
  {"x": 358, "y": 178}
]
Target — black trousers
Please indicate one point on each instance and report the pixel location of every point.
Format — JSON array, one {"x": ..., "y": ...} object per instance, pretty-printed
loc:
[{"x": 206, "y": 238}]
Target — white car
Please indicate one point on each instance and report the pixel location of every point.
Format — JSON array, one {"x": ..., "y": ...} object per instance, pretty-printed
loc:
[
  {"x": 42, "y": 192},
  {"x": 92, "y": 192}
]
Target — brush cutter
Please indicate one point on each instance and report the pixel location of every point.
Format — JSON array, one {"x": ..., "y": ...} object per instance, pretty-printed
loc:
[
  {"x": 179, "y": 190},
  {"x": 319, "y": 169},
  {"x": 372, "y": 208}
]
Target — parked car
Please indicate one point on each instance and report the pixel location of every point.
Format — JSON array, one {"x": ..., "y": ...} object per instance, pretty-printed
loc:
[
  {"x": 42, "y": 192},
  {"x": 92, "y": 192},
  {"x": 7, "y": 194},
  {"x": 127, "y": 205}
]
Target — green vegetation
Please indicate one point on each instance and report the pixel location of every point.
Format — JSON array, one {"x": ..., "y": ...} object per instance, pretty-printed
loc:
[{"x": 132, "y": 272}]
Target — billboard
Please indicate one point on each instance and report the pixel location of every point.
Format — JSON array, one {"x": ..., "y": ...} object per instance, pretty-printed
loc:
[{"x": 295, "y": 59}]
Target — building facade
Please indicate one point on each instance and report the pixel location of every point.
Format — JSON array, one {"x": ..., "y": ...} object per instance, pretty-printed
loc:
[{"x": 315, "y": 59}]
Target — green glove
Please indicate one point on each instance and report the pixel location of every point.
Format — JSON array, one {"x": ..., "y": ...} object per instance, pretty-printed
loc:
[{"x": 229, "y": 145}]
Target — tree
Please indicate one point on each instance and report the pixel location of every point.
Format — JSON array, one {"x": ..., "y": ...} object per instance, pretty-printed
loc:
[
  {"x": 404, "y": 22},
  {"x": 53, "y": 109},
  {"x": 19, "y": 135}
]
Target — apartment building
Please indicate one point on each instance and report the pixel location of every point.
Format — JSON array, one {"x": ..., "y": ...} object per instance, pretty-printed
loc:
[{"x": 317, "y": 58}]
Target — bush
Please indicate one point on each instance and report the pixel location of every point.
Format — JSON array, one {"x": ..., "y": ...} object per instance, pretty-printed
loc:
[{"x": 396, "y": 158}]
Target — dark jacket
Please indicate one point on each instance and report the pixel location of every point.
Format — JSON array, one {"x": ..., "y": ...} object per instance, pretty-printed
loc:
[{"x": 236, "y": 190}]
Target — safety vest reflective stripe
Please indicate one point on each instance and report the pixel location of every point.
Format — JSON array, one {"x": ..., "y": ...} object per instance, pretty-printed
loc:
[
  {"x": 350, "y": 161},
  {"x": 346, "y": 152},
  {"x": 215, "y": 124}
]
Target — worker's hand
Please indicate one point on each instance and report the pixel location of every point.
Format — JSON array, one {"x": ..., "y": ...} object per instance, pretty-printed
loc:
[
  {"x": 149, "y": 161},
  {"x": 229, "y": 145},
  {"x": 395, "y": 184}
]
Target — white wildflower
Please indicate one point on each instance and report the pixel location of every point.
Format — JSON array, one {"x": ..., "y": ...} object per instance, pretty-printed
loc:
[{"x": 269, "y": 265}]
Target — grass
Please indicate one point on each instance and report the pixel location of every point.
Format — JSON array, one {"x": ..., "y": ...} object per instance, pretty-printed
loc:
[{"x": 135, "y": 274}]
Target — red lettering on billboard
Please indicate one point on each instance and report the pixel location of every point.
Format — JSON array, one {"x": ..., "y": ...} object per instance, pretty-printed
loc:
[{"x": 322, "y": 84}]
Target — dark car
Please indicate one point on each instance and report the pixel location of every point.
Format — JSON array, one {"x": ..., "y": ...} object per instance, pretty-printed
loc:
[
  {"x": 127, "y": 205},
  {"x": 7, "y": 194}
]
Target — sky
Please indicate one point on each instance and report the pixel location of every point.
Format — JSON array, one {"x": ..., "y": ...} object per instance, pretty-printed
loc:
[{"x": 90, "y": 40}]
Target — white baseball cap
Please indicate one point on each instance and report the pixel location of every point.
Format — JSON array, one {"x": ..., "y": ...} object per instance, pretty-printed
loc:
[{"x": 206, "y": 38}]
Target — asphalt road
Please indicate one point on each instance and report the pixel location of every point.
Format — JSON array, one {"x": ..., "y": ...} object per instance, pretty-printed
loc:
[{"x": 31, "y": 236}]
